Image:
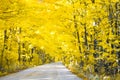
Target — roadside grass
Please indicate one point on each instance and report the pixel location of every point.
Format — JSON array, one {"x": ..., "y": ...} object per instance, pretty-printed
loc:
[
  {"x": 118, "y": 77},
  {"x": 3, "y": 74},
  {"x": 75, "y": 70}
]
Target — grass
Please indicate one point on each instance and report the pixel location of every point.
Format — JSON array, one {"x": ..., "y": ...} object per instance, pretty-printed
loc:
[
  {"x": 118, "y": 77},
  {"x": 75, "y": 70},
  {"x": 3, "y": 74}
]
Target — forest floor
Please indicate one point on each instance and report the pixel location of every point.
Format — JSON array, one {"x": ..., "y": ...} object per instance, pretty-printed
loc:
[{"x": 53, "y": 71}]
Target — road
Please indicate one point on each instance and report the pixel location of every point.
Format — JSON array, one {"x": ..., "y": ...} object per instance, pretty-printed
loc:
[{"x": 53, "y": 71}]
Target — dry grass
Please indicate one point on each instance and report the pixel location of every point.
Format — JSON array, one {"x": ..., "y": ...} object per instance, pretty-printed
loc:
[
  {"x": 118, "y": 77},
  {"x": 75, "y": 71},
  {"x": 3, "y": 74}
]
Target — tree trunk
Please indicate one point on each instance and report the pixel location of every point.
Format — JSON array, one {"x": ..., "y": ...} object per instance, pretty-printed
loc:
[
  {"x": 19, "y": 47},
  {"x": 86, "y": 41},
  {"x": 4, "y": 47},
  {"x": 77, "y": 33}
]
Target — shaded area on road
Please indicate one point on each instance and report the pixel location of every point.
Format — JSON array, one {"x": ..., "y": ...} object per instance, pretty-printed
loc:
[{"x": 53, "y": 71}]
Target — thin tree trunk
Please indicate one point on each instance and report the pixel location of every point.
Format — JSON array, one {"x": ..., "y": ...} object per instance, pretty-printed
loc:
[
  {"x": 86, "y": 41},
  {"x": 19, "y": 47},
  {"x": 4, "y": 47},
  {"x": 77, "y": 33},
  {"x": 19, "y": 52}
]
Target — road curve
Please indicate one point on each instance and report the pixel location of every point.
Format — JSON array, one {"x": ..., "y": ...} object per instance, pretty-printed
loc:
[{"x": 53, "y": 71}]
